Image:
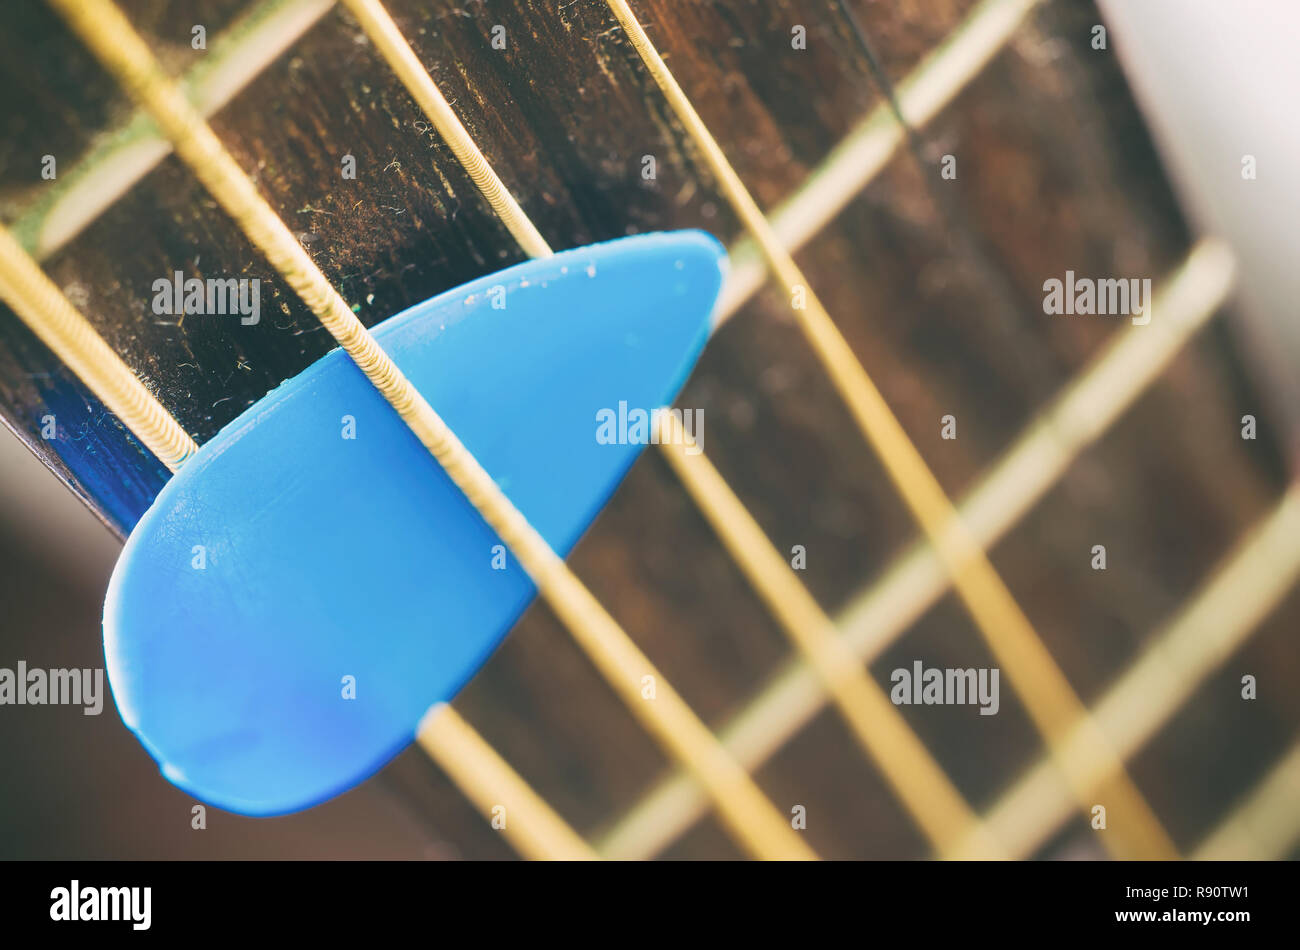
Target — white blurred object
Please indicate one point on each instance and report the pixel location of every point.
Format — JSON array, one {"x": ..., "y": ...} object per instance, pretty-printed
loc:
[{"x": 1219, "y": 80}]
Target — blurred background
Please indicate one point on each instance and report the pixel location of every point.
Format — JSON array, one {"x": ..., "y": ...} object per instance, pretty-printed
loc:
[{"x": 1108, "y": 160}]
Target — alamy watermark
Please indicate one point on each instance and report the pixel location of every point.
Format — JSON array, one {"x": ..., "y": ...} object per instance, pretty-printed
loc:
[
  {"x": 176, "y": 295},
  {"x": 60, "y": 687},
  {"x": 624, "y": 426},
  {"x": 77, "y": 902},
  {"x": 946, "y": 687},
  {"x": 1103, "y": 297}
]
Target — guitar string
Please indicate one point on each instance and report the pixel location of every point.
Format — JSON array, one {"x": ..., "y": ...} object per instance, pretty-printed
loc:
[
  {"x": 535, "y": 829},
  {"x": 401, "y": 59},
  {"x": 55, "y": 321},
  {"x": 1266, "y": 825},
  {"x": 879, "y": 728},
  {"x": 931, "y": 86},
  {"x": 1046, "y": 693},
  {"x": 1240, "y": 592},
  {"x": 915, "y": 580},
  {"x": 911, "y": 771},
  {"x": 1029, "y": 359},
  {"x": 753, "y": 821},
  {"x": 123, "y": 154}
]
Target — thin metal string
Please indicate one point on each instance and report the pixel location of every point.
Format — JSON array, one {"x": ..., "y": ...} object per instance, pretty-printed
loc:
[
  {"x": 927, "y": 793},
  {"x": 917, "y": 779},
  {"x": 123, "y": 154},
  {"x": 750, "y": 817},
  {"x": 530, "y": 824},
  {"x": 1032, "y": 366},
  {"x": 1266, "y": 825},
  {"x": 1047, "y": 695},
  {"x": 869, "y": 146},
  {"x": 383, "y": 32},
  {"x": 58, "y": 324},
  {"x": 1245, "y": 588}
]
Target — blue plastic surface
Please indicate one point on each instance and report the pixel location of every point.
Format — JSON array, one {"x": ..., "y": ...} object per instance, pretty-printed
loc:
[{"x": 326, "y": 558}]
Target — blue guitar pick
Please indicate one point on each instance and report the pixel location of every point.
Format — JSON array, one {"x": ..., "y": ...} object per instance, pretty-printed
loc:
[{"x": 294, "y": 600}]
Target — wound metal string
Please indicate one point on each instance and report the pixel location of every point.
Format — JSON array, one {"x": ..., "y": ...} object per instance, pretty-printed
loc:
[
  {"x": 383, "y": 32},
  {"x": 58, "y": 324}
]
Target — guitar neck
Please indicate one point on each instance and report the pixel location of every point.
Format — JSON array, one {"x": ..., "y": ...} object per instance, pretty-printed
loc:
[{"x": 935, "y": 279}]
